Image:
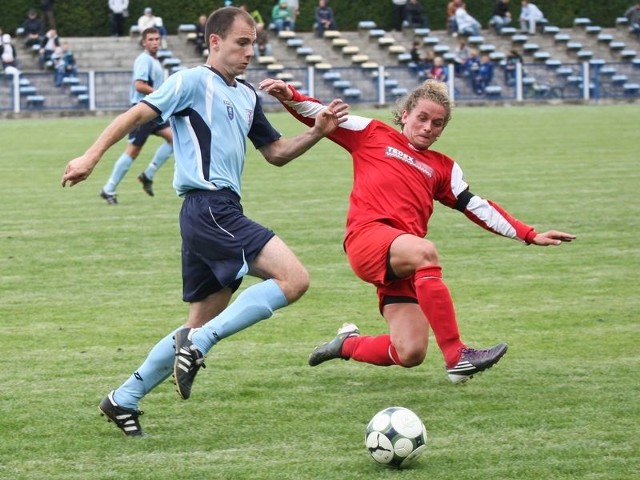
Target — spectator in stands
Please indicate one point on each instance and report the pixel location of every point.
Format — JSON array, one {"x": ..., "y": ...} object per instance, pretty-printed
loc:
[
  {"x": 148, "y": 75},
  {"x": 397, "y": 14},
  {"x": 48, "y": 17},
  {"x": 282, "y": 17},
  {"x": 119, "y": 10},
  {"x": 472, "y": 65},
  {"x": 530, "y": 15},
  {"x": 325, "y": 19},
  {"x": 255, "y": 14},
  {"x": 438, "y": 71},
  {"x": 452, "y": 24},
  {"x": 462, "y": 54},
  {"x": 633, "y": 15},
  {"x": 8, "y": 55},
  {"x": 64, "y": 64},
  {"x": 201, "y": 42},
  {"x": 510, "y": 66},
  {"x": 467, "y": 25},
  {"x": 483, "y": 76},
  {"x": 501, "y": 16},
  {"x": 262, "y": 46},
  {"x": 149, "y": 20},
  {"x": 52, "y": 41},
  {"x": 414, "y": 16},
  {"x": 32, "y": 29}
]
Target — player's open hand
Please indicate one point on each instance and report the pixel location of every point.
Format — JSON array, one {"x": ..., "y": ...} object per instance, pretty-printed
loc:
[
  {"x": 77, "y": 170},
  {"x": 332, "y": 116},
  {"x": 276, "y": 88},
  {"x": 552, "y": 237}
]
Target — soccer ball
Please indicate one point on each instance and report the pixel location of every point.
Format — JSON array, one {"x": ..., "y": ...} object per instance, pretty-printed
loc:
[{"x": 396, "y": 437}]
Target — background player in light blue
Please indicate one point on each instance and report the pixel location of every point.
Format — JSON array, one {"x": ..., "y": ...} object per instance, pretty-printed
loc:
[
  {"x": 148, "y": 75},
  {"x": 213, "y": 112}
]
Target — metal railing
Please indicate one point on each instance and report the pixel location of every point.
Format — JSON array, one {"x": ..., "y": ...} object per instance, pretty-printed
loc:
[{"x": 532, "y": 82}]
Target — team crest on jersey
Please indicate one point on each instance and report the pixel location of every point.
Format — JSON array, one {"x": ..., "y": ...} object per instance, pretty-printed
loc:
[
  {"x": 393, "y": 152},
  {"x": 229, "y": 106}
]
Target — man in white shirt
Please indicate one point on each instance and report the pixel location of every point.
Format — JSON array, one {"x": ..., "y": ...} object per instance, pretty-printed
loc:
[
  {"x": 467, "y": 25},
  {"x": 529, "y": 17}
]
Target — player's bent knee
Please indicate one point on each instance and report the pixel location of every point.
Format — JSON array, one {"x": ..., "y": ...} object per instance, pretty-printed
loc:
[{"x": 412, "y": 358}]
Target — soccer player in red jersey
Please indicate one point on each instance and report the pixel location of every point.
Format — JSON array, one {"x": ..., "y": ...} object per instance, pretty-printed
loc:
[{"x": 396, "y": 179}]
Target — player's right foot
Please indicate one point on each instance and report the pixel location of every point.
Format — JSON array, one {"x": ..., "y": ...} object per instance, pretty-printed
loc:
[
  {"x": 111, "y": 199},
  {"x": 187, "y": 362},
  {"x": 147, "y": 184},
  {"x": 126, "y": 419},
  {"x": 333, "y": 349},
  {"x": 475, "y": 361}
]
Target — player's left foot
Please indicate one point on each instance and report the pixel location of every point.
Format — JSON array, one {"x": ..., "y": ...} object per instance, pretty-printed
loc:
[
  {"x": 475, "y": 361},
  {"x": 187, "y": 362},
  {"x": 147, "y": 185},
  {"x": 126, "y": 419},
  {"x": 333, "y": 349}
]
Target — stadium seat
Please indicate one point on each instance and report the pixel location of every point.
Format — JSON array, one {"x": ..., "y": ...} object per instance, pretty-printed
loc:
[
  {"x": 581, "y": 22},
  {"x": 352, "y": 93},
  {"x": 493, "y": 91},
  {"x": 304, "y": 51},
  {"x": 27, "y": 90},
  {"x": 430, "y": 41},
  {"x": 295, "y": 42},
  {"x": 628, "y": 54},
  {"x": 341, "y": 84},
  {"x": 508, "y": 31},
  {"x": 593, "y": 30},
  {"x": 35, "y": 101},
  {"x": 550, "y": 30},
  {"x": 604, "y": 38},
  {"x": 560, "y": 38},
  {"x": 631, "y": 89},
  {"x": 552, "y": 64},
  {"x": 331, "y": 76},
  {"x": 398, "y": 92}
]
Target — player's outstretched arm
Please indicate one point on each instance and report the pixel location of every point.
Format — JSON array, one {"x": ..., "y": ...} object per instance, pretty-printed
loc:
[
  {"x": 284, "y": 150},
  {"x": 552, "y": 237},
  {"x": 81, "y": 167}
]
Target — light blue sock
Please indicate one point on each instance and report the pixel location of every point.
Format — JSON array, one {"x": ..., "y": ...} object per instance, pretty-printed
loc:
[
  {"x": 120, "y": 169},
  {"x": 154, "y": 370},
  {"x": 254, "y": 304},
  {"x": 162, "y": 154}
]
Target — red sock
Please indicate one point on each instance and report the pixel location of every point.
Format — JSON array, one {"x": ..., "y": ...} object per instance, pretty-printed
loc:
[
  {"x": 375, "y": 350},
  {"x": 436, "y": 303}
]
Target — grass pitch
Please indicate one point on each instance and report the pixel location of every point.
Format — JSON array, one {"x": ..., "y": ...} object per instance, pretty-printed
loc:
[{"x": 86, "y": 289}]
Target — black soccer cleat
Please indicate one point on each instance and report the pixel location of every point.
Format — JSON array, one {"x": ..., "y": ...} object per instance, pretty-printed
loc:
[
  {"x": 475, "y": 361},
  {"x": 333, "y": 349},
  {"x": 187, "y": 362},
  {"x": 147, "y": 184},
  {"x": 110, "y": 198},
  {"x": 126, "y": 419}
]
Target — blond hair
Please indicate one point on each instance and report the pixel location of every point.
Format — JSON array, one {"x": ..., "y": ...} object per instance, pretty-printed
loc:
[{"x": 431, "y": 89}]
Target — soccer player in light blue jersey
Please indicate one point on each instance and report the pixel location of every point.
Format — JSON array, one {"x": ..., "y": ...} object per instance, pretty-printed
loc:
[
  {"x": 212, "y": 114},
  {"x": 148, "y": 75}
]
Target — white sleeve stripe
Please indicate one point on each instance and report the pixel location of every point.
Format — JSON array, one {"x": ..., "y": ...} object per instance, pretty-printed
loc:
[
  {"x": 311, "y": 109},
  {"x": 490, "y": 217},
  {"x": 458, "y": 185}
]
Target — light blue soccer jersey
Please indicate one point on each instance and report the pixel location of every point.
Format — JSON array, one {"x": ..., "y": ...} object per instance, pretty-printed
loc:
[
  {"x": 149, "y": 70},
  {"x": 211, "y": 121}
]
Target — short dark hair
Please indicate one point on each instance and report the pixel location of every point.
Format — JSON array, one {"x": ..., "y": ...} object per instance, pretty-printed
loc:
[
  {"x": 148, "y": 31},
  {"x": 220, "y": 21}
]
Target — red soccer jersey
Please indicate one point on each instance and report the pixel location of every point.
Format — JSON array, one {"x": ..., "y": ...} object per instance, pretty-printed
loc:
[{"x": 396, "y": 184}]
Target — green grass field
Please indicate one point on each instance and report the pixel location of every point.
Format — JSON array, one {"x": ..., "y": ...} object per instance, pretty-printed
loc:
[{"x": 86, "y": 289}]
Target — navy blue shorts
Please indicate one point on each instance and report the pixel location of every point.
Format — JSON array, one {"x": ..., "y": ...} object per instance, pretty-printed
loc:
[
  {"x": 218, "y": 242},
  {"x": 138, "y": 137}
]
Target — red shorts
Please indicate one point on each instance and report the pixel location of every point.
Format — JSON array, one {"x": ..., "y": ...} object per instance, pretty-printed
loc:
[{"x": 368, "y": 252}]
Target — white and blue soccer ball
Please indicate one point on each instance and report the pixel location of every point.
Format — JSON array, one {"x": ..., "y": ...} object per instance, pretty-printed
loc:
[{"x": 396, "y": 437}]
